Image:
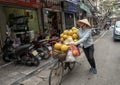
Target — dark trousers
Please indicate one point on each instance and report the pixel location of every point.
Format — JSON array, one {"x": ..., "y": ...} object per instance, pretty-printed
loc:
[{"x": 89, "y": 52}]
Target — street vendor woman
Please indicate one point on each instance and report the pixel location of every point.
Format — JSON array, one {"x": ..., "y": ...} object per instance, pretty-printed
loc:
[{"x": 86, "y": 42}]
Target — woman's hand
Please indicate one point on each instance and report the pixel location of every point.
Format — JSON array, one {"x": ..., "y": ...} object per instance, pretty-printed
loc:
[{"x": 74, "y": 43}]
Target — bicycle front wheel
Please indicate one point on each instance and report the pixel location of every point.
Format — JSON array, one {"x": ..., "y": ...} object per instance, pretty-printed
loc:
[{"x": 56, "y": 74}]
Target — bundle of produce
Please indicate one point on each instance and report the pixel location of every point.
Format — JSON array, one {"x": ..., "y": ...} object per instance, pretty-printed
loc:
[
  {"x": 69, "y": 36},
  {"x": 60, "y": 51}
]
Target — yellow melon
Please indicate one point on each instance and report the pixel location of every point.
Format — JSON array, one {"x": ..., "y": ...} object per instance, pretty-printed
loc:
[
  {"x": 65, "y": 32},
  {"x": 64, "y": 47},
  {"x": 61, "y": 35},
  {"x": 74, "y": 36},
  {"x": 75, "y": 31},
  {"x": 74, "y": 28},
  {"x": 75, "y": 40},
  {"x": 62, "y": 39},
  {"x": 57, "y": 46},
  {"x": 65, "y": 36},
  {"x": 70, "y": 32},
  {"x": 69, "y": 36}
]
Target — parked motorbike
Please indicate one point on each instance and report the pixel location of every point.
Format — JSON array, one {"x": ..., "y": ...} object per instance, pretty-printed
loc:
[
  {"x": 42, "y": 48},
  {"x": 22, "y": 54},
  {"x": 29, "y": 54},
  {"x": 95, "y": 31},
  {"x": 51, "y": 42}
]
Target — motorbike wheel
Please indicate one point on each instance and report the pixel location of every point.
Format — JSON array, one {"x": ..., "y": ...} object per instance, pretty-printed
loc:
[
  {"x": 31, "y": 61},
  {"x": 36, "y": 62},
  {"x": 45, "y": 52},
  {"x": 6, "y": 58}
]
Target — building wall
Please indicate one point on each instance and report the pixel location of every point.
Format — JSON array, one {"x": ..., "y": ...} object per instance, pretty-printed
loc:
[
  {"x": 40, "y": 17},
  {"x": 32, "y": 23},
  {"x": 2, "y": 26}
]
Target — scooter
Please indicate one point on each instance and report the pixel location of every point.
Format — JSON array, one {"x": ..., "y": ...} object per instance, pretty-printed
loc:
[
  {"x": 95, "y": 31},
  {"x": 22, "y": 54},
  {"x": 44, "y": 47}
]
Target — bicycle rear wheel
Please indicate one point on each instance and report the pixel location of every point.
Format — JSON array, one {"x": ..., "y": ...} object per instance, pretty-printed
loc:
[
  {"x": 71, "y": 65},
  {"x": 56, "y": 74}
]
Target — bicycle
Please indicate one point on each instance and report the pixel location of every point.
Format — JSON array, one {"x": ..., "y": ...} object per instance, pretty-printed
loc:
[{"x": 58, "y": 70}]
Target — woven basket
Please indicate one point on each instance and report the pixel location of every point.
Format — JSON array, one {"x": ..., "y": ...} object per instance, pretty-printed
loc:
[{"x": 59, "y": 54}]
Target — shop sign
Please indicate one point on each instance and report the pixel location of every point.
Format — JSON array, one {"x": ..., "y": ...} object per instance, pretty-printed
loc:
[
  {"x": 30, "y": 3},
  {"x": 52, "y": 4},
  {"x": 73, "y": 1},
  {"x": 70, "y": 7},
  {"x": 84, "y": 7}
]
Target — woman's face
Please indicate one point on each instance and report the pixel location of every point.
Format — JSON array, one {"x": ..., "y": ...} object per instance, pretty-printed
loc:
[{"x": 83, "y": 25}]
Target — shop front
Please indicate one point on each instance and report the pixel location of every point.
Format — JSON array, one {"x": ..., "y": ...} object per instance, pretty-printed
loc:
[
  {"x": 69, "y": 20},
  {"x": 20, "y": 19},
  {"x": 52, "y": 18},
  {"x": 70, "y": 10},
  {"x": 86, "y": 13}
]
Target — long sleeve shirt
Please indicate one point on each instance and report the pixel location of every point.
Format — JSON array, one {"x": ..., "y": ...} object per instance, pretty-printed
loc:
[{"x": 85, "y": 37}]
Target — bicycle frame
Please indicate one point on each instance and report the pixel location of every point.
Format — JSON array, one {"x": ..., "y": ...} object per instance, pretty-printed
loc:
[{"x": 59, "y": 68}]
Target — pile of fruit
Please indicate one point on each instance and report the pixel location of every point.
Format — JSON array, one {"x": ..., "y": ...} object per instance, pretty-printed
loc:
[
  {"x": 66, "y": 38},
  {"x": 69, "y": 36}
]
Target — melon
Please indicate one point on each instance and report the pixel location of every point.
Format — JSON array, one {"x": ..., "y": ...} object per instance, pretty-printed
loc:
[
  {"x": 74, "y": 36},
  {"x": 58, "y": 46},
  {"x": 64, "y": 47}
]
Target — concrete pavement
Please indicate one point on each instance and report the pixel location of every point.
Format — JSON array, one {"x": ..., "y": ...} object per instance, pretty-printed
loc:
[
  {"x": 11, "y": 73},
  {"x": 107, "y": 56},
  {"x": 42, "y": 77}
]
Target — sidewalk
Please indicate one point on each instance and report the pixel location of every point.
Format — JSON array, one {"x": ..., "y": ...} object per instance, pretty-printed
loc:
[
  {"x": 39, "y": 79},
  {"x": 42, "y": 77},
  {"x": 1, "y": 60}
]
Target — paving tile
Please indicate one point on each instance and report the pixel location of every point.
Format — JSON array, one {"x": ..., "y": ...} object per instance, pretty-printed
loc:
[{"x": 32, "y": 81}]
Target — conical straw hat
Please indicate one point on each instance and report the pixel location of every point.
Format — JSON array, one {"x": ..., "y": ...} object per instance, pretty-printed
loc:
[{"x": 85, "y": 21}]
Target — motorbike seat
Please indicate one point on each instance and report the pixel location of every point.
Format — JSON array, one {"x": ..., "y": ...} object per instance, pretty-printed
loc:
[
  {"x": 22, "y": 47},
  {"x": 39, "y": 41},
  {"x": 44, "y": 40}
]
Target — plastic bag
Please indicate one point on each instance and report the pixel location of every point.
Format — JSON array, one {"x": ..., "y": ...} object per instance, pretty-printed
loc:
[
  {"x": 75, "y": 50},
  {"x": 68, "y": 41},
  {"x": 70, "y": 57}
]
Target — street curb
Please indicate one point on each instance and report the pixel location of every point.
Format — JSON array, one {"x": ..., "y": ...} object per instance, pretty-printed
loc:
[
  {"x": 36, "y": 71},
  {"x": 100, "y": 36}
]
